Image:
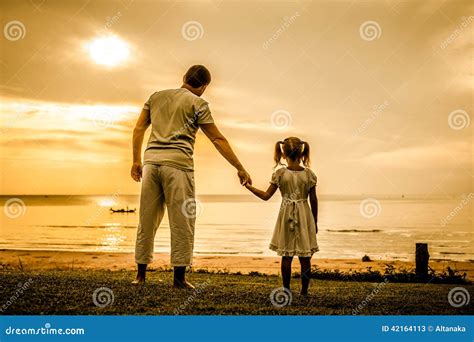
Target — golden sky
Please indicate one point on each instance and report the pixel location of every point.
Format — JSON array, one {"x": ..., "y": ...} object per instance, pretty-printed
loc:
[{"x": 382, "y": 90}]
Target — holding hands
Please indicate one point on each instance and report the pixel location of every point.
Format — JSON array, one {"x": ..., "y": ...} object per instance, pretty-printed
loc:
[{"x": 244, "y": 177}]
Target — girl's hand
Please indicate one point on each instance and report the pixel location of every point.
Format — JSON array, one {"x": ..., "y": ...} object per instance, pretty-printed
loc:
[{"x": 316, "y": 227}]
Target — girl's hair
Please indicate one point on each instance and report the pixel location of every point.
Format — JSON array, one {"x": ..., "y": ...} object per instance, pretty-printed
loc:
[{"x": 293, "y": 148}]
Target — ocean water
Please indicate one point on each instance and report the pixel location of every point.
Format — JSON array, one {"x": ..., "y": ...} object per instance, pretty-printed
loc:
[{"x": 241, "y": 225}]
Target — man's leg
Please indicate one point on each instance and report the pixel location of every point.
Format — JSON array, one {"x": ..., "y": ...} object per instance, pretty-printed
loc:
[
  {"x": 178, "y": 186},
  {"x": 152, "y": 209}
]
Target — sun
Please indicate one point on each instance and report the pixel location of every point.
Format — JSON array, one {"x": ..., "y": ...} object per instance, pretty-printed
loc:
[
  {"x": 106, "y": 202},
  {"x": 108, "y": 51}
]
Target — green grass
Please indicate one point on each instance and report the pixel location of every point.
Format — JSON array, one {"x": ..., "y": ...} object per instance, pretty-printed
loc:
[
  {"x": 70, "y": 293},
  {"x": 393, "y": 275}
]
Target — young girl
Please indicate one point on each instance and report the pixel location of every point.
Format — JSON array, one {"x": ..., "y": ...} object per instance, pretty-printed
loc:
[{"x": 297, "y": 223}]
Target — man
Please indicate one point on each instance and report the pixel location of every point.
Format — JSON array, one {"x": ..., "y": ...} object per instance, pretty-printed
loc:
[{"x": 175, "y": 116}]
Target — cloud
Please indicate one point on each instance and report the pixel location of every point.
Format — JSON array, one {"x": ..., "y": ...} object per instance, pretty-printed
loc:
[
  {"x": 69, "y": 132},
  {"x": 421, "y": 157},
  {"x": 251, "y": 126},
  {"x": 43, "y": 115},
  {"x": 57, "y": 105}
]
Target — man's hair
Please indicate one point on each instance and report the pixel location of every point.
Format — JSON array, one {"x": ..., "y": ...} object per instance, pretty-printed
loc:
[{"x": 197, "y": 76}]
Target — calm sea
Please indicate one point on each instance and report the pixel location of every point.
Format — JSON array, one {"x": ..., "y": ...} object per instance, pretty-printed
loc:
[{"x": 386, "y": 228}]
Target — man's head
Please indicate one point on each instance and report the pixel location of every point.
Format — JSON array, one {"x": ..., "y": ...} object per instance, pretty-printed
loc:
[{"x": 197, "y": 79}]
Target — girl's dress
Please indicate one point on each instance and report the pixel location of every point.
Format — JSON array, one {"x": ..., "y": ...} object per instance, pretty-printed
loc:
[{"x": 295, "y": 230}]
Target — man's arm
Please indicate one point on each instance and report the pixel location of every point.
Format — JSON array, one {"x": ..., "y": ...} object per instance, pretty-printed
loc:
[
  {"x": 138, "y": 134},
  {"x": 223, "y": 146}
]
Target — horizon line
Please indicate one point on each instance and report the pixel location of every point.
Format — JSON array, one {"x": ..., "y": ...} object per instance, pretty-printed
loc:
[{"x": 239, "y": 194}]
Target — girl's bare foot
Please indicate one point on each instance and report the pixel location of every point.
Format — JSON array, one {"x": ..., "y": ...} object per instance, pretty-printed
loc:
[{"x": 139, "y": 281}]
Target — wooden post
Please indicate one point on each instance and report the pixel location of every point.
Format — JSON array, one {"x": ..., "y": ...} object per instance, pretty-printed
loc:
[{"x": 422, "y": 258}]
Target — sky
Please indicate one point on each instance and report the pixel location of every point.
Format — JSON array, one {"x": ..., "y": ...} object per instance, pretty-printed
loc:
[{"x": 381, "y": 90}]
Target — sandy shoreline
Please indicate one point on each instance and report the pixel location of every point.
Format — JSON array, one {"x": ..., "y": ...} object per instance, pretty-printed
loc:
[{"x": 62, "y": 260}]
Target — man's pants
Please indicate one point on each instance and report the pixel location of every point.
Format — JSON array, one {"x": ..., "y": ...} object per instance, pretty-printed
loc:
[{"x": 164, "y": 185}]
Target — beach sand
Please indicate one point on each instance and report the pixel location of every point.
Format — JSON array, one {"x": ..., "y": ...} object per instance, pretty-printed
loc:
[{"x": 53, "y": 260}]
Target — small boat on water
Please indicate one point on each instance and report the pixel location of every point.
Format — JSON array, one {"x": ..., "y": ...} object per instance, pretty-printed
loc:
[{"x": 126, "y": 211}]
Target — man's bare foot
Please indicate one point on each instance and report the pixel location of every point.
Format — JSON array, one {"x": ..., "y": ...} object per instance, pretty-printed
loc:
[
  {"x": 183, "y": 285},
  {"x": 141, "y": 274}
]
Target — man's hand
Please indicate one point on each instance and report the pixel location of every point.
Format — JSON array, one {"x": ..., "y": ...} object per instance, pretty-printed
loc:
[
  {"x": 316, "y": 227},
  {"x": 136, "y": 172},
  {"x": 244, "y": 177}
]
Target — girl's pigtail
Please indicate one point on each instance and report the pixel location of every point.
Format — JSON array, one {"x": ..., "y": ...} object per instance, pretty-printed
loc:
[
  {"x": 305, "y": 154},
  {"x": 278, "y": 153}
]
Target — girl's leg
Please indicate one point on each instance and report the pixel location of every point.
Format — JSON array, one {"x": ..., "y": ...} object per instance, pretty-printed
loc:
[
  {"x": 305, "y": 274},
  {"x": 286, "y": 271}
]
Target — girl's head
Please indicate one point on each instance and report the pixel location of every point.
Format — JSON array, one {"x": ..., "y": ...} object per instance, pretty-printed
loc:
[{"x": 292, "y": 148}]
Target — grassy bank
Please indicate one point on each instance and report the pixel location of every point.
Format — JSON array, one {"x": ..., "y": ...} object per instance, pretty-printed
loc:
[{"x": 71, "y": 293}]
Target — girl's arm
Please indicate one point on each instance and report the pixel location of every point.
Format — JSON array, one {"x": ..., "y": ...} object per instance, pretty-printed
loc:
[
  {"x": 265, "y": 195},
  {"x": 313, "y": 200}
]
